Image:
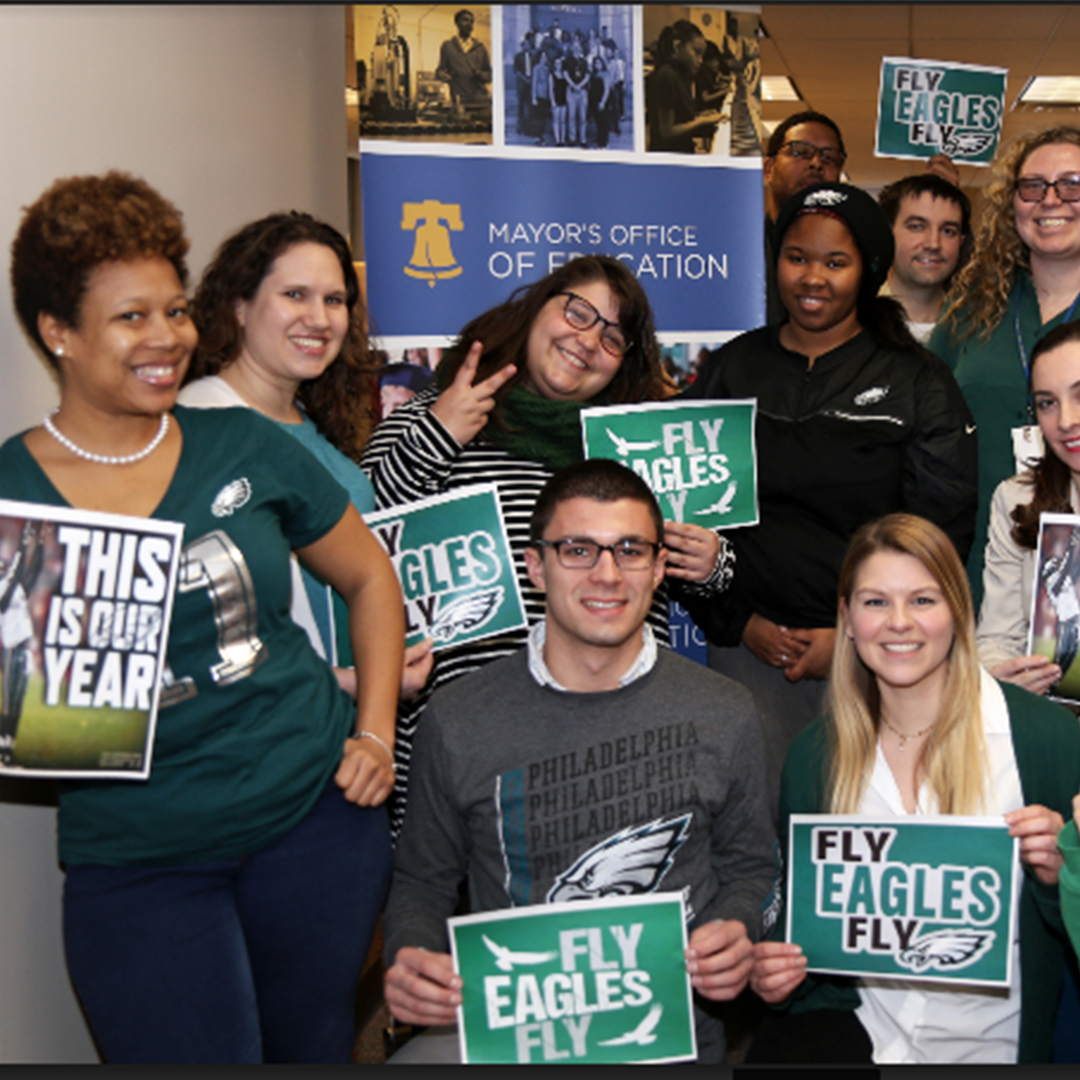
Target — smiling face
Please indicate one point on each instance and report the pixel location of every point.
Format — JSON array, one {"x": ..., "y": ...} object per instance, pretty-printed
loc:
[
  {"x": 900, "y": 622},
  {"x": 605, "y": 607},
  {"x": 818, "y": 273},
  {"x": 1050, "y": 228},
  {"x": 296, "y": 323},
  {"x": 133, "y": 340},
  {"x": 928, "y": 232},
  {"x": 1055, "y": 390},
  {"x": 564, "y": 364}
]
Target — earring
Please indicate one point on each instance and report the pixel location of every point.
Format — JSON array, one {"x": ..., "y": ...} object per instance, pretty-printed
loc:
[{"x": 59, "y": 350}]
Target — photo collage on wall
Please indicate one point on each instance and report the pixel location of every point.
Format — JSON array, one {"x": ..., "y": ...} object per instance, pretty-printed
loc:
[{"x": 552, "y": 83}]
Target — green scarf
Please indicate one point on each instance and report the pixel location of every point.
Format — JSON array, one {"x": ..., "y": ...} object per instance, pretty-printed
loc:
[{"x": 537, "y": 429}]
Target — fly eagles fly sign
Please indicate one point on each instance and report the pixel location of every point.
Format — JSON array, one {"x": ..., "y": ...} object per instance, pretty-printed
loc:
[
  {"x": 454, "y": 564},
  {"x": 928, "y": 107},
  {"x": 697, "y": 457},
  {"x": 930, "y": 900},
  {"x": 602, "y": 982}
]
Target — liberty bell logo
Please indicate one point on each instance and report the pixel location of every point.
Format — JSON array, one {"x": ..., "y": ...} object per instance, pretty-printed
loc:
[{"x": 432, "y": 258}]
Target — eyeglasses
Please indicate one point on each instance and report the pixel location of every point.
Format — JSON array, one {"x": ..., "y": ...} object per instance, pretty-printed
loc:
[
  {"x": 805, "y": 151},
  {"x": 582, "y": 315},
  {"x": 585, "y": 554},
  {"x": 1034, "y": 189}
]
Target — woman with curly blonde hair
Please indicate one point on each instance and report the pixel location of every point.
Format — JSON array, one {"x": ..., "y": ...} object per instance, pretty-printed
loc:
[
  {"x": 914, "y": 727},
  {"x": 1022, "y": 280}
]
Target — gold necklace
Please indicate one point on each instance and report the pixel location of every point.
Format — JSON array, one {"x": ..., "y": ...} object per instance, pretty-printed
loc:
[{"x": 905, "y": 738}]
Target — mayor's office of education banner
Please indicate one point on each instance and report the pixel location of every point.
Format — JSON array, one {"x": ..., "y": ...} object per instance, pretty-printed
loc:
[
  {"x": 479, "y": 175},
  {"x": 85, "y": 604},
  {"x": 932, "y": 898},
  {"x": 601, "y": 982},
  {"x": 453, "y": 560}
]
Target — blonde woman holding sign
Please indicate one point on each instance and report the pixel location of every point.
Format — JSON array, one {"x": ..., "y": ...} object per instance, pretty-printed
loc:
[{"x": 914, "y": 726}]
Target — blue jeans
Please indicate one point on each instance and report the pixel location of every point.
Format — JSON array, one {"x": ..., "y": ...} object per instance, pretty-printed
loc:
[{"x": 234, "y": 961}]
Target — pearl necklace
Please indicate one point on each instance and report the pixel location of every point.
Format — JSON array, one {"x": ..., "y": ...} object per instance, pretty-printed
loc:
[
  {"x": 105, "y": 459},
  {"x": 904, "y": 739}
]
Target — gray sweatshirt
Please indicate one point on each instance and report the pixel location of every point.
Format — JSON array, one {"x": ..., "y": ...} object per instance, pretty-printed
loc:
[{"x": 537, "y": 795}]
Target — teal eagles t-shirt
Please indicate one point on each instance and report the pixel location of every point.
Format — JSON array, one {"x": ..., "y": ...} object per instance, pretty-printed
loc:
[{"x": 258, "y": 721}]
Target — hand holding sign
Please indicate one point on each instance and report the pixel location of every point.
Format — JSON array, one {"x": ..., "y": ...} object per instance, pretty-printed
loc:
[
  {"x": 1037, "y": 828},
  {"x": 719, "y": 959},
  {"x": 421, "y": 988},
  {"x": 463, "y": 408},
  {"x": 692, "y": 551},
  {"x": 779, "y": 967}
]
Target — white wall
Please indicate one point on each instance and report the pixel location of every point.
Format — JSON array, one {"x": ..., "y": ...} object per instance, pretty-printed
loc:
[{"x": 231, "y": 112}]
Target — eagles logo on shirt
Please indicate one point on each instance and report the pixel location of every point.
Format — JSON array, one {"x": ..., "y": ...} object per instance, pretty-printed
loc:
[{"x": 231, "y": 497}]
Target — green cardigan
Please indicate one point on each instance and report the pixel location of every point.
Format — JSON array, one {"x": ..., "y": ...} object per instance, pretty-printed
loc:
[{"x": 1046, "y": 741}]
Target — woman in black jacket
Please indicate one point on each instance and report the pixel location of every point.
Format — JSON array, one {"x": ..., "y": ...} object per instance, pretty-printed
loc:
[{"x": 855, "y": 420}]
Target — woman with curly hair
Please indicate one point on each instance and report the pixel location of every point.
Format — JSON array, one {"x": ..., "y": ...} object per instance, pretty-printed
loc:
[
  {"x": 506, "y": 409},
  {"x": 1022, "y": 280},
  {"x": 222, "y": 910},
  {"x": 913, "y": 726},
  {"x": 281, "y": 330}
]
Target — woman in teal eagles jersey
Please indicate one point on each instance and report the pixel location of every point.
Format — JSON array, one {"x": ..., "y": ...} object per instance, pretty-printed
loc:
[
  {"x": 281, "y": 330},
  {"x": 222, "y": 909}
]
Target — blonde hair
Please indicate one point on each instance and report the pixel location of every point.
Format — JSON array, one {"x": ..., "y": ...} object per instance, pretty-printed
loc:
[
  {"x": 979, "y": 297},
  {"x": 953, "y": 757}
]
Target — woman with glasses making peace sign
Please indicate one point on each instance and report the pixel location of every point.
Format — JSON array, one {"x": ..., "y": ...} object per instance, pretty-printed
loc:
[
  {"x": 506, "y": 409},
  {"x": 1022, "y": 280}
]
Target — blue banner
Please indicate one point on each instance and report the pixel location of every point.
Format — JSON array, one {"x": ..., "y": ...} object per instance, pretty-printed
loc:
[{"x": 449, "y": 236}]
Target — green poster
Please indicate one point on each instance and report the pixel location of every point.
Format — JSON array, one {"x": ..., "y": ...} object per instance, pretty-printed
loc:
[
  {"x": 928, "y": 107},
  {"x": 85, "y": 606},
  {"x": 579, "y": 983},
  {"x": 453, "y": 559},
  {"x": 698, "y": 457},
  {"x": 929, "y": 898}
]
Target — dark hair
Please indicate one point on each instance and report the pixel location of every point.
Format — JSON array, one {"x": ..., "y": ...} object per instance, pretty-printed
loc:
[
  {"x": 460, "y": 14},
  {"x": 602, "y": 481},
  {"x": 809, "y": 116},
  {"x": 76, "y": 226},
  {"x": 682, "y": 30},
  {"x": 1050, "y": 478},
  {"x": 340, "y": 400},
  {"x": 504, "y": 331},
  {"x": 889, "y": 199}
]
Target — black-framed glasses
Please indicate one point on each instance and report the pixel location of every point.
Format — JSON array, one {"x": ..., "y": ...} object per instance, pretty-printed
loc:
[
  {"x": 582, "y": 315},
  {"x": 629, "y": 554},
  {"x": 1034, "y": 188},
  {"x": 806, "y": 151}
]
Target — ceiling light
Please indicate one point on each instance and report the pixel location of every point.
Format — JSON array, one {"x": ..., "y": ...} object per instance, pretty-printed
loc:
[
  {"x": 1056, "y": 89},
  {"x": 778, "y": 88}
]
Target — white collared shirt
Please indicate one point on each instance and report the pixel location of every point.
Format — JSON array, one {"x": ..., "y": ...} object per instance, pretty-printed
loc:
[
  {"x": 922, "y": 1024},
  {"x": 539, "y": 669}
]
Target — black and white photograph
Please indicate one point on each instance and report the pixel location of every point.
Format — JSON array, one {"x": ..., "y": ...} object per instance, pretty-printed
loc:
[{"x": 568, "y": 75}]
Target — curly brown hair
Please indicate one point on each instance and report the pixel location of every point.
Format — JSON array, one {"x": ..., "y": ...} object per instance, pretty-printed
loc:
[
  {"x": 80, "y": 223},
  {"x": 504, "y": 331},
  {"x": 340, "y": 401},
  {"x": 979, "y": 296}
]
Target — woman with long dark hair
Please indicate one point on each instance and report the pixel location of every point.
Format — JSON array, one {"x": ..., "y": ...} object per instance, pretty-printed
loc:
[
  {"x": 506, "y": 409},
  {"x": 1049, "y": 486}
]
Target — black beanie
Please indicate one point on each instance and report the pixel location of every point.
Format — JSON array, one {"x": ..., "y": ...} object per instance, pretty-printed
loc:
[{"x": 860, "y": 213}]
